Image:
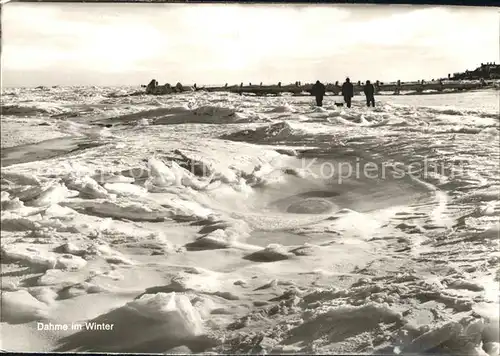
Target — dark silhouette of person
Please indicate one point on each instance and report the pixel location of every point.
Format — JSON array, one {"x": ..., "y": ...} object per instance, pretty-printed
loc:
[
  {"x": 369, "y": 91},
  {"x": 153, "y": 84},
  {"x": 318, "y": 90},
  {"x": 347, "y": 92}
]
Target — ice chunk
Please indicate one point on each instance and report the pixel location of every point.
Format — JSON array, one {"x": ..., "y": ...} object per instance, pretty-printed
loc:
[
  {"x": 161, "y": 175},
  {"x": 199, "y": 280},
  {"x": 70, "y": 262},
  {"x": 174, "y": 309},
  {"x": 188, "y": 179},
  {"x": 53, "y": 195},
  {"x": 4, "y": 196},
  {"x": 56, "y": 276}
]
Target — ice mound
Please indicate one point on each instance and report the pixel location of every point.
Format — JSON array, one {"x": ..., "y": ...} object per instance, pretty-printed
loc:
[
  {"x": 183, "y": 177},
  {"x": 262, "y": 175},
  {"x": 21, "y": 307},
  {"x": 79, "y": 289},
  {"x": 172, "y": 309},
  {"x": 280, "y": 131},
  {"x": 31, "y": 256},
  {"x": 153, "y": 323},
  {"x": 203, "y": 115},
  {"x": 161, "y": 175},
  {"x": 272, "y": 253},
  {"x": 230, "y": 166},
  {"x": 198, "y": 280},
  {"x": 87, "y": 187},
  {"x": 122, "y": 209},
  {"x": 57, "y": 276},
  {"x": 345, "y": 320}
]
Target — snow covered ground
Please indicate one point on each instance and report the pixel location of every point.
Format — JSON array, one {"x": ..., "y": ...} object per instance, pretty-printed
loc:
[{"x": 223, "y": 223}]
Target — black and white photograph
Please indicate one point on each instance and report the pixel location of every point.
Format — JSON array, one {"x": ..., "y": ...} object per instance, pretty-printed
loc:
[{"x": 250, "y": 178}]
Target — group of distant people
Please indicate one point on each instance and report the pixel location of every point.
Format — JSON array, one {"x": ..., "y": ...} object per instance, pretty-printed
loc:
[{"x": 319, "y": 90}]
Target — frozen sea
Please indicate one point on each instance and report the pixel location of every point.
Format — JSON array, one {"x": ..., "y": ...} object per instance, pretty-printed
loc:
[{"x": 213, "y": 222}]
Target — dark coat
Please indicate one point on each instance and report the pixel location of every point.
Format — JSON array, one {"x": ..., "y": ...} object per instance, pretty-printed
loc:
[
  {"x": 347, "y": 90},
  {"x": 369, "y": 90},
  {"x": 318, "y": 89}
]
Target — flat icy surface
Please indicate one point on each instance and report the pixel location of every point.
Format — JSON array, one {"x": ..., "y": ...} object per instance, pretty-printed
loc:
[{"x": 236, "y": 224}]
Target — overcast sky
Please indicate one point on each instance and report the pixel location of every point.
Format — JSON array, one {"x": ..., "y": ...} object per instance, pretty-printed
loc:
[{"x": 129, "y": 44}]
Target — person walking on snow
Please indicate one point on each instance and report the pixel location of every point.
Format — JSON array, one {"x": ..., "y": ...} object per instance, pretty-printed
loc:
[
  {"x": 347, "y": 92},
  {"x": 369, "y": 90},
  {"x": 318, "y": 90}
]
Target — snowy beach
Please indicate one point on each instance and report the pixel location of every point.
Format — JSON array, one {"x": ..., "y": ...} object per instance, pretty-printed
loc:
[{"x": 214, "y": 222}]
